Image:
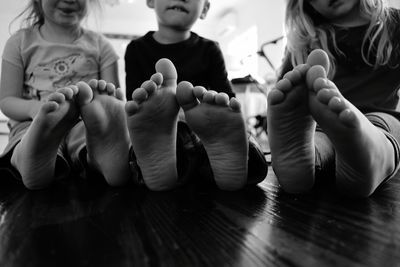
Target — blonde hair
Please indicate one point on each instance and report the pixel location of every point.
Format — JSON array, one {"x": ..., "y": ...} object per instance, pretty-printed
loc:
[{"x": 306, "y": 30}]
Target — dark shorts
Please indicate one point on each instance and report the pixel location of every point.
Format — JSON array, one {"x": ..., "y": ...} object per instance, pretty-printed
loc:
[{"x": 193, "y": 164}]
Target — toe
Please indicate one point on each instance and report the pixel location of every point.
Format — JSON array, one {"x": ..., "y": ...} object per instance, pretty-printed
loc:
[
  {"x": 318, "y": 57},
  {"x": 57, "y": 97},
  {"x": 110, "y": 87},
  {"x": 167, "y": 69},
  {"x": 50, "y": 106},
  {"x": 157, "y": 78},
  {"x": 283, "y": 85},
  {"x": 336, "y": 104},
  {"x": 85, "y": 94},
  {"x": 93, "y": 83},
  {"x": 222, "y": 99},
  {"x": 324, "y": 95},
  {"x": 185, "y": 96},
  {"x": 102, "y": 86},
  {"x": 150, "y": 86},
  {"x": 209, "y": 97},
  {"x": 313, "y": 74},
  {"x": 68, "y": 92},
  {"x": 119, "y": 94},
  {"x": 131, "y": 108},
  {"x": 234, "y": 104},
  {"x": 140, "y": 95},
  {"x": 199, "y": 92},
  {"x": 275, "y": 96},
  {"x": 293, "y": 76}
]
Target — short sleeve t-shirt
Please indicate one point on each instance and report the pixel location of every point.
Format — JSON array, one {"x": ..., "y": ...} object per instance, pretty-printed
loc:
[{"x": 48, "y": 66}]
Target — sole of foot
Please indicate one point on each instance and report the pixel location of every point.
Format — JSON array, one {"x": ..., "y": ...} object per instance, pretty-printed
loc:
[
  {"x": 218, "y": 122},
  {"x": 36, "y": 155},
  {"x": 364, "y": 155},
  {"x": 152, "y": 121},
  {"x": 107, "y": 138}
]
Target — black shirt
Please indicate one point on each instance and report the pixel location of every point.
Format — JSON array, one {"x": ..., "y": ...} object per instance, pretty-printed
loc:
[
  {"x": 198, "y": 60},
  {"x": 368, "y": 88}
]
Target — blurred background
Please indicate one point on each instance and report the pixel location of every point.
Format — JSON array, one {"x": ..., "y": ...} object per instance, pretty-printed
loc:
[
  {"x": 250, "y": 34},
  {"x": 240, "y": 28}
]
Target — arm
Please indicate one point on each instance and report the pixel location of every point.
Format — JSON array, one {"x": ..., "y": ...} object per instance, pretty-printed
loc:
[
  {"x": 11, "y": 102},
  {"x": 110, "y": 74},
  {"x": 218, "y": 75}
]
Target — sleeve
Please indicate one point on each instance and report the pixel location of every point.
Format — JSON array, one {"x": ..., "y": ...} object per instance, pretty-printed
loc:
[
  {"x": 218, "y": 75},
  {"x": 12, "y": 51},
  {"x": 131, "y": 69},
  {"x": 108, "y": 55}
]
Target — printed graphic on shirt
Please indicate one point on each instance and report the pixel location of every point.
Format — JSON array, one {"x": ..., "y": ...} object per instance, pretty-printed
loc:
[{"x": 60, "y": 72}]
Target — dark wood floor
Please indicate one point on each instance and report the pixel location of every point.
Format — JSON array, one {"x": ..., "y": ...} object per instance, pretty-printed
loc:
[{"x": 86, "y": 223}]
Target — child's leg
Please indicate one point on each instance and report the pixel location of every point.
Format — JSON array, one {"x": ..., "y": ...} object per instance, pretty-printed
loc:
[
  {"x": 364, "y": 155},
  {"x": 35, "y": 156},
  {"x": 107, "y": 138},
  {"x": 291, "y": 132},
  {"x": 152, "y": 122},
  {"x": 219, "y": 124}
]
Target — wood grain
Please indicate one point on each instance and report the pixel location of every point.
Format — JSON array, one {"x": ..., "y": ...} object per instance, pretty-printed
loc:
[{"x": 86, "y": 223}]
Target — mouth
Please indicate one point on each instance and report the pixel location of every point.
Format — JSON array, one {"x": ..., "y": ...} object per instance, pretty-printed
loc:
[
  {"x": 67, "y": 10},
  {"x": 332, "y": 2},
  {"x": 178, "y": 8}
]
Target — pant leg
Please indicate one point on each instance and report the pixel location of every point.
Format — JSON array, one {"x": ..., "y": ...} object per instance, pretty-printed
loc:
[
  {"x": 193, "y": 162},
  {"x": 390, "y": 126},
  {"x": 325, "y": 153}
]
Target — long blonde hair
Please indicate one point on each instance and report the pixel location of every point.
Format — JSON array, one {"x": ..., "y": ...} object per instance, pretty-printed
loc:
[{"x": 306, "y": 30}]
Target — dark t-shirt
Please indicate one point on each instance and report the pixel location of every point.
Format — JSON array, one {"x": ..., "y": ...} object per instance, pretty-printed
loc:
[
  {"x": 198, "y": 60},
  {"x": 367, "y": 88}
]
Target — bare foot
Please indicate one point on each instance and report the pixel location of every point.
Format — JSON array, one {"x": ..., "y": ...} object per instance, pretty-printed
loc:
[
  {"x": 35, "y": 156},
  {"x": 152, "y": 122},
  {"x": 291, "y": 131},
  {"x": 107, "y": 137},
  {"x": 364, "y": 155},
  {"x": 219, "y": 124}
]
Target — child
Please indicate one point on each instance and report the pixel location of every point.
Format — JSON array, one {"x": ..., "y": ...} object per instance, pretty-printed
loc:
[
  {"x": 358, "y": 128},
  {"x": 197, "y": 59},
  {"x": 220, "y": 149},
  {"x": 55, "y": 125}
]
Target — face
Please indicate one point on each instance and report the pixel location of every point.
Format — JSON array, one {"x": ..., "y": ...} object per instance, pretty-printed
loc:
[
  {"x": 180, "y": 14},
  {"x": 66, "y": 13},
  {"x": 336, "y": 10}
]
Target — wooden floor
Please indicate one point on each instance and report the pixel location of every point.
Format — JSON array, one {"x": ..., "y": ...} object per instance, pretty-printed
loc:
[
  {"x": 80, "y": 222},
  {"x": 86, "y": 223}
]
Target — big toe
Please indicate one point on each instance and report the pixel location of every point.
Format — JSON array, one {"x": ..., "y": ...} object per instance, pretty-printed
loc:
[
  {"x": 318, "y": 57},
  {"x": 85, "y": 93},
  {"x": 185, "y": 96},
  {"x": 313, "y": 74},
  {"x": 319, "y": 62},
  {"x": 168, "y": 70}
]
